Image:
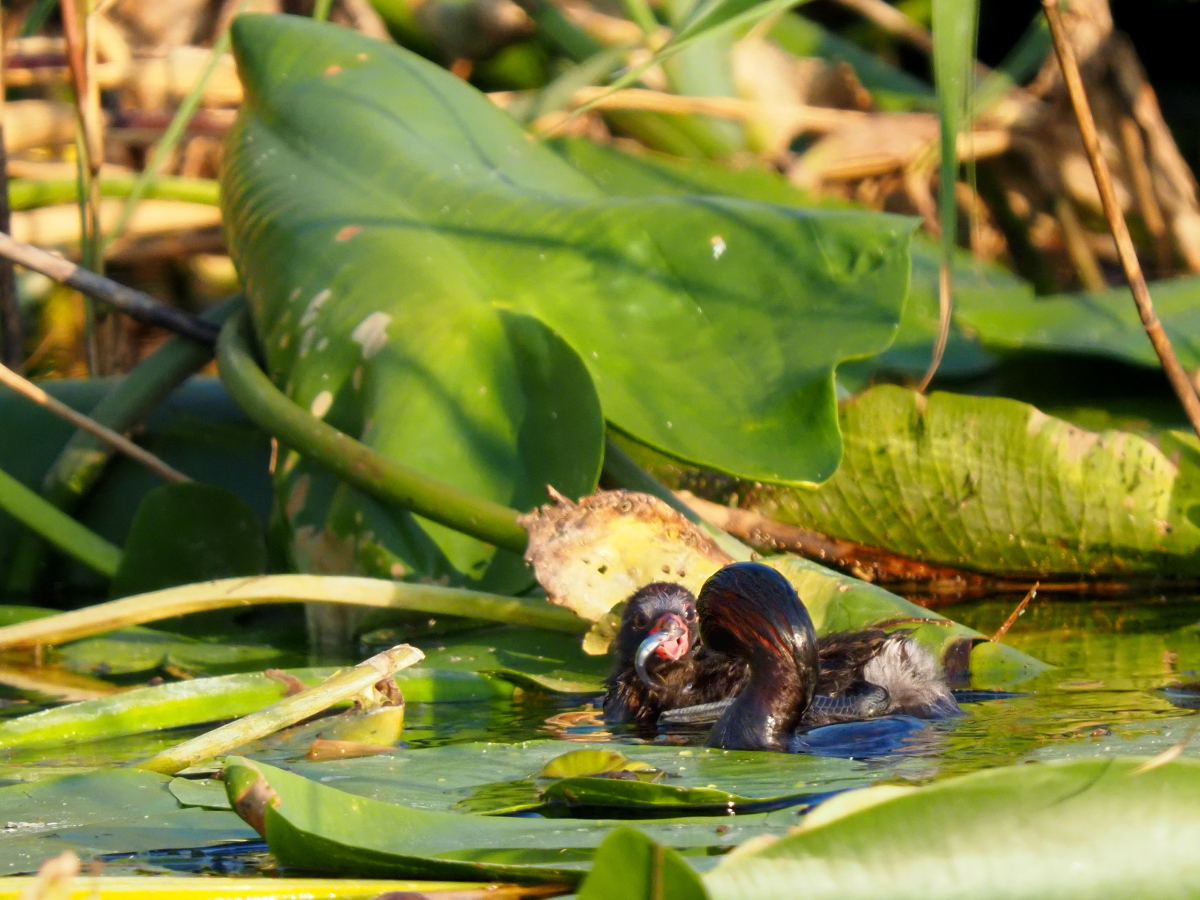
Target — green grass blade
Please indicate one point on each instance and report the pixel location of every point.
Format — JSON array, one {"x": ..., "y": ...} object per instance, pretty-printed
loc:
[{"x": 57, "y": 527}]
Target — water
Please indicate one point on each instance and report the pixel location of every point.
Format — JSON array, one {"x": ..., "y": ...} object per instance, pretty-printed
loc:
[{"x": 1103, "y": 698}]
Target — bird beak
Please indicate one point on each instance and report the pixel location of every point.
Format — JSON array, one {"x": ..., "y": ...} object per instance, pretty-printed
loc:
[{"x": 668, "y": 640}]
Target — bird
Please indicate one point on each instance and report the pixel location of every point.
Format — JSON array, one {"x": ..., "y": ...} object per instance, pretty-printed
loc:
[
  {"x": 664, "y": 672},
  {"x": 751, "y": 612}
]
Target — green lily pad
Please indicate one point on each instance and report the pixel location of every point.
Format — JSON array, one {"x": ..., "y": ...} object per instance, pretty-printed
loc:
[
  {"x": 491, "y": 777},
  {"x": 582, "y": 763},
  {"x": 202, "y": 792},
  {"x": 428, "y": 278},
  {"x": 633, "y": 797},
  {"x": 319, "y": 828},
  {"x": 1071, "y": 830},
  {"x": 110, "y": 811}
]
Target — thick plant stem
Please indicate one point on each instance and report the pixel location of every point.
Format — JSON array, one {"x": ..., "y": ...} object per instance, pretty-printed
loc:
[
  {"x": 348, "y": 459},
  {"x": 133, "y": 303},
  {"x": 57, "y": 527},
  {"x": 287, "y": 711},
  {"x": 1116, "y": 222},
  {"x": 533, "y": 612}
]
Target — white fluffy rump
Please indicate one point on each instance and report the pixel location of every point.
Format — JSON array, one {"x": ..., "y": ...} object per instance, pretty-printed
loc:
[{"x": 911, "y": 678}]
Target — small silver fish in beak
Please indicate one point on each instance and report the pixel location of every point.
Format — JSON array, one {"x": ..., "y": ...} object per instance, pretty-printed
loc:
[{"x": 668, "y": 640}]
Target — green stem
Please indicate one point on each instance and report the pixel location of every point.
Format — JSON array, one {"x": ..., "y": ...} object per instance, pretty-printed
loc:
[
  {"x": 347, "y": 590},
  {"x": 83, "y": 459},
  {"x": 32, "y": 193},
  {"x": 348, "y": 459},
  {"x": 620, "y": 468},
  {"x": 321, "y": 10},
  {"x": 57, "y": 527},
  {"x": 171, "y": 137},
  {"x": 641, "y": 14},
  {"x": 287, "y": 711}
]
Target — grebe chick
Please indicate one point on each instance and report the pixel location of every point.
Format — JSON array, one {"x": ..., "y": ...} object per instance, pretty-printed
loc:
[{"x": 751, "y": 612}]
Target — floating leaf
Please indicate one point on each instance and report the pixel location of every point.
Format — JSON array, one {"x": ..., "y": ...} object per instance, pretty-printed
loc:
[
  {"x": 581, "y": 763},
  {"x": 489, "y": 776},
  {"x": 322, "y": 829},
  {"x": 633, "y": 797},
  {"x": 1131, "y": 835},
  {"x": 202, "y": 792},
  {"x": 112, "y": 811}
]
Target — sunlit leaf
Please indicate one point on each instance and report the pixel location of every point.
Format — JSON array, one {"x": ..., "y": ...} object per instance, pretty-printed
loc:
[
  {"x": 1071, "y": 830},
  {"x": 995, "y": 485},
  {"x": 489, "y": 285},
  {"x": 630, "y": 866}
]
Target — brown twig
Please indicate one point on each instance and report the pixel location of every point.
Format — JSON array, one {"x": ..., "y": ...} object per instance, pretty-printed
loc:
[
  {"x": 31, "y": 391},
  {"x": 133, "y": 303},
  {"x": 1016, "y": 613},
  {"x": 1112, "y": 211}
]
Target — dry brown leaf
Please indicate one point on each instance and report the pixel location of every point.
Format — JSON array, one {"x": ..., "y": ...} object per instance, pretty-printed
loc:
[{"x": 591, "y": 555}]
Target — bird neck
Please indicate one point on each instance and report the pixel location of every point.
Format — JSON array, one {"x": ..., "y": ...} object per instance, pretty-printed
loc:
[{"x": 768, "y": 710}]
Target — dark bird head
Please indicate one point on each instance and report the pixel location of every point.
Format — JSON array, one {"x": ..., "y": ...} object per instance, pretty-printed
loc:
[
  {"x": 750, "y": 611},
  {"x": 655, "y": 654},
  {"x": 658, "y": 628}
]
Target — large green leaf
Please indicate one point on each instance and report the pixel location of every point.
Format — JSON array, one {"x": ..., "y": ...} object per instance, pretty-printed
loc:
[
  {"x": 1096, "y": 828},
  {"x": 995, "y": 485},
  {"x": 473, "y": 265},
  {"x": 319, "y": 828},
  {"x": 976, "y": 285},
  {"x": 1101, "y": 324}
]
